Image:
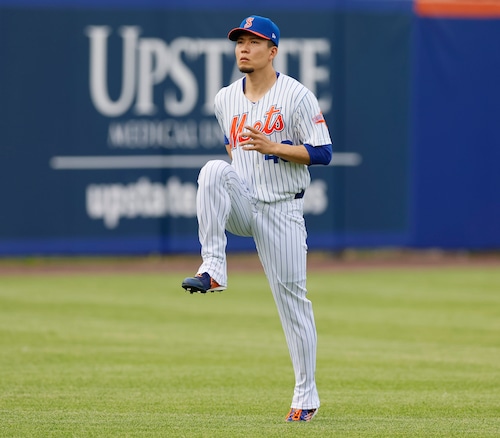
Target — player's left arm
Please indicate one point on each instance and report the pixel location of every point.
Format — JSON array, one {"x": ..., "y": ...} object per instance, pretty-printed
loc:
[
  {"x": 310, "y": 127},
  {"x": 300, "y": 154},
  {"x": 258, "y": 141}
]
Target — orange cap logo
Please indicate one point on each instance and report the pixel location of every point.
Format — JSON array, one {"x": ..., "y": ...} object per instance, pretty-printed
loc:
[{"x": 248, "y": 23}]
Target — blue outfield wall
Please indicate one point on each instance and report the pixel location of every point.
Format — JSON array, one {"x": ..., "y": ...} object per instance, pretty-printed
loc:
[
  {"x": 106, "y": 118},
  {"x": 217, "y": 5},
  {"x": 456, "y": 133}
]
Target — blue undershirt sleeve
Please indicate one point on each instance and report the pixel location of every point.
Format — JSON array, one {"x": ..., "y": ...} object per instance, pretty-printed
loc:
[{"x": 319, "y": 154}]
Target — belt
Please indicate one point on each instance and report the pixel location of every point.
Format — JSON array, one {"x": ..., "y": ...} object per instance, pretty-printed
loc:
[{"x": 300, "y": 195}]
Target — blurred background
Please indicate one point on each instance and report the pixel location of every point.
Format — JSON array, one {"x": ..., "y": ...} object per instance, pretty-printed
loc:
[{"x": 106, "y": 117}]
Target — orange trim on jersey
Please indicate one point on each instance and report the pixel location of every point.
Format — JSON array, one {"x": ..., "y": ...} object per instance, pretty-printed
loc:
[{"x": 458, "y": 8}]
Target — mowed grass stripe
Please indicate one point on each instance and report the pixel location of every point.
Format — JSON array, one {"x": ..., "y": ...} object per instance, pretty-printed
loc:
[{"x": 401, "y": 352}]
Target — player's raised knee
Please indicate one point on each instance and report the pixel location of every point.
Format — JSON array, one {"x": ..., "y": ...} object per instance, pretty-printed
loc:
[{"x": 213, "y": 169}]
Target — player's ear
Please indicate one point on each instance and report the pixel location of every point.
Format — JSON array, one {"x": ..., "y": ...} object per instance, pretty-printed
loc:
[{"x": 273, "y": 52}]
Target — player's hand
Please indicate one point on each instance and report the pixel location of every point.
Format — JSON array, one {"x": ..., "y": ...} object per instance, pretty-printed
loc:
[{"x": 257, "y": 141}]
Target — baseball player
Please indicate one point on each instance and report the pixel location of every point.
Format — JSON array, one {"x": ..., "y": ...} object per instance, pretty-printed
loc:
[{"x": 274, "y": 130}]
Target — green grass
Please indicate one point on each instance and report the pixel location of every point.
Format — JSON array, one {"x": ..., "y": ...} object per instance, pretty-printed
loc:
[{"x": 404, "y": 353}]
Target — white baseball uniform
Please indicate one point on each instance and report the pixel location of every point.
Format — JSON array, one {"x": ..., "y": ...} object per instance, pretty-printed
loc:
[{"x": 261, "y": 196}]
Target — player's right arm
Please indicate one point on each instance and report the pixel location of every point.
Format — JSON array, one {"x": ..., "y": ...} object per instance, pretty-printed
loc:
[{"x": 228, "y": 149}]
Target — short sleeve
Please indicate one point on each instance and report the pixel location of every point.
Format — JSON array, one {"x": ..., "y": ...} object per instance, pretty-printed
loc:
[{"x": 310, "y": 123}]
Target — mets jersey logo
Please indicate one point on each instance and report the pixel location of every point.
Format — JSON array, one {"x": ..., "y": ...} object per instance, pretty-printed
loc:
[
  {"x": 273, "y": 122},
  {"x": 248, "y": 23}
]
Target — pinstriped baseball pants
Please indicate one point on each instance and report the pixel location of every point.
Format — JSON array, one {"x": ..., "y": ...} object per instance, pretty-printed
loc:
[{"x": 278, "y": 229}]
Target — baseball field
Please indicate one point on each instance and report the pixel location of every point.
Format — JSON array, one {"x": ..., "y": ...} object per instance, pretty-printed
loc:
[{"x": 99, "y": 348}]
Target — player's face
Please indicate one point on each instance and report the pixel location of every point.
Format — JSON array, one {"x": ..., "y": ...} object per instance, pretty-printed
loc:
[{"x": 253, "y": 53}]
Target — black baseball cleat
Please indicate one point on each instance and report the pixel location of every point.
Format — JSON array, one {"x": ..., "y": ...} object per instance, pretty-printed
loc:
[{"x": 202, "y": 283}]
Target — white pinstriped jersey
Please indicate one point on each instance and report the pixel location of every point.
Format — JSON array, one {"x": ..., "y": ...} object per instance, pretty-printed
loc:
[{"x": 287, "y": 113}]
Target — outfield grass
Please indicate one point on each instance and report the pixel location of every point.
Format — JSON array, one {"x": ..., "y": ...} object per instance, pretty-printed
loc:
[{"x": 404, "y": 353}]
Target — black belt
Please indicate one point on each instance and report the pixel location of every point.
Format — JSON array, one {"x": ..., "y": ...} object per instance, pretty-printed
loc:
[{"x": 300, "y": 195}]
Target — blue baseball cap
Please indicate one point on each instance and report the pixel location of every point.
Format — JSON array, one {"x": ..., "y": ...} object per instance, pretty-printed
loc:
[{"x": 261, "y": 26}]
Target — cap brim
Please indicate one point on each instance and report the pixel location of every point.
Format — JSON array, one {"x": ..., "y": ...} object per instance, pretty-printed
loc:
[{"x": 235, "y": 33}]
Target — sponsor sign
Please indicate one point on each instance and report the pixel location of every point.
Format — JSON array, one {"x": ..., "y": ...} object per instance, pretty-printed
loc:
[{"x": 107, "y": 118}]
